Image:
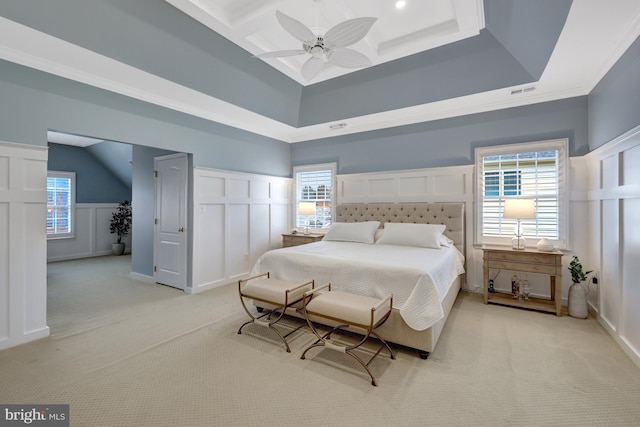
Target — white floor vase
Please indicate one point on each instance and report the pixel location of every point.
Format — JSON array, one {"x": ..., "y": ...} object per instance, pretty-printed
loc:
[{"x": 578, "y": 301}]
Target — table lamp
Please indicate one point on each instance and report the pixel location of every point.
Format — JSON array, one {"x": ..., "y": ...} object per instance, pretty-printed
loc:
[
  {"x": 305, "y": 209},
  {"x": 519, "y": 209}
]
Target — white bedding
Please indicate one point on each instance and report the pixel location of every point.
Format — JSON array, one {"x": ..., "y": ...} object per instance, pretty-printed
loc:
[{"x": 418, "y": 278}]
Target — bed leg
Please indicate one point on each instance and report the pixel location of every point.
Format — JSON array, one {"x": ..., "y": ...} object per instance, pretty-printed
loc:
[{"x": 424, "y": 355}]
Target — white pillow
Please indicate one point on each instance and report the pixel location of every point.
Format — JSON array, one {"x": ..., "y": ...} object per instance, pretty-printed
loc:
[
  {"x": 446, "y": 242},
  {"x": 418, "y": 235},
  {"x": 361, "y": 232}
]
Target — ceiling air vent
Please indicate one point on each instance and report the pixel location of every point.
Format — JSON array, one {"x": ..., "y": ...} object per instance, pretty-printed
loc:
[
  {"x": 337, "y": 126},
  {"x": 522, "y": 90}
]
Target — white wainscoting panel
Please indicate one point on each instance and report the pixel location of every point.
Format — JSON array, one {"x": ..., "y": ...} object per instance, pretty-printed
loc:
[
  {"x": 209, "y": 243},
  {"x": 630, "y": 312},
  {"x": 237, "y": 217},
  {"x": 611, "y": 294},
  {"x": 446, "y": 184},
  {"x": 23, "y": 267},
  {"x": 238, "y": 243},
  {"x": 614, "y": 231},
  {"x": 91, "y": 234}
]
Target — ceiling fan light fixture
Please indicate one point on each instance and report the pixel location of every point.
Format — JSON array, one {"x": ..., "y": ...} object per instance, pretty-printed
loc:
[{"x": 316, "y": 51}]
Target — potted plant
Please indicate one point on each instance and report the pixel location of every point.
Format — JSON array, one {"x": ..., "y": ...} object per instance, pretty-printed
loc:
[
  {"x": 120, "y": 225},
  {"x": 577, "y": 302}
]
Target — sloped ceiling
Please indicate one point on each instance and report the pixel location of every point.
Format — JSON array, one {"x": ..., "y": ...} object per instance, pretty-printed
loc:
[
  {"x": 116, "y": 157},
  {"x": 526, "y": 52}
]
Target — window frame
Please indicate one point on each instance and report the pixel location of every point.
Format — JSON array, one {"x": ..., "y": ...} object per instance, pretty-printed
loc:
[
  {"x": 559, "y": 145},
  {"x": 313, "y": 168},
  {"x": 72, "y": 203}
]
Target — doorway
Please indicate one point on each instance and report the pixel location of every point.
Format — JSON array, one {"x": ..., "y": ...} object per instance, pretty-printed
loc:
[{"x": 170, "y": 237}]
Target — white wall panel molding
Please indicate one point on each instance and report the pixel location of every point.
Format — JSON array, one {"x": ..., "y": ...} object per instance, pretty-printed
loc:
[
  {"x": 237, "y": 217},
  {"x": 23, "y": 272},
  {"x": 443, "y": 184},
  {"x": 614, "y": 232},
  {"x": 91, "y": 236}
]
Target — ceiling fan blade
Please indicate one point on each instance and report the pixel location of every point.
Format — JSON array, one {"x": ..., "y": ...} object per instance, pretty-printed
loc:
[
  {"x": 348, "y": 58},
  {"x": 348, "y": 32},
  {"x": 281, "y": 53},
  {"x": 312, "y": 67},
  {"x": 296, "y": 28}
]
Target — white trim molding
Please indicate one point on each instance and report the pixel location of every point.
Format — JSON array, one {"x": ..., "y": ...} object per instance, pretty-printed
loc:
[{"x": 613, "y": 202}]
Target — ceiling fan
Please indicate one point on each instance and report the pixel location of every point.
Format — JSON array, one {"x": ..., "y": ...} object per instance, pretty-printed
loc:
[{"x": 331, "y": 45}]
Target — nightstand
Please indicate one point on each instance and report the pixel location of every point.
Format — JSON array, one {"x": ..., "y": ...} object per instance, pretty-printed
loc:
[
  {"x": 527, "y": 261},
  {"x": 299, "y": 239}
]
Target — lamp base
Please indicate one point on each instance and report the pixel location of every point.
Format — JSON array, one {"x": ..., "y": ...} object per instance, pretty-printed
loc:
[{"x": 518, "y": 243}]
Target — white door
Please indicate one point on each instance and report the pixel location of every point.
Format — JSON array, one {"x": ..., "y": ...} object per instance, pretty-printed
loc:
[{"x": 170, "y": 254}]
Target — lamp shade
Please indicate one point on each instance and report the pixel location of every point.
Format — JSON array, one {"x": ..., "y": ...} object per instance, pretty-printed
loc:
[
  {"x": 519, "y": 209},
  {"x": 307, "y": 208}
]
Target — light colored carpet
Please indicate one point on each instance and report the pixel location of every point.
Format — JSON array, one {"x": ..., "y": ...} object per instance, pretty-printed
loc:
[{"x": 128, "y": 353}]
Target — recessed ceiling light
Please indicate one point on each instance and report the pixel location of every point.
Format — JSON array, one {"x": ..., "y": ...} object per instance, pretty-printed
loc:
[{"x": 400, "y": 4}]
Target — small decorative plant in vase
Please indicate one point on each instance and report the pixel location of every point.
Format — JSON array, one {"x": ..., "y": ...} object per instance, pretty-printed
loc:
[
  {"x": 577, "y": 302},
  {"x": 120, "y": 225}
]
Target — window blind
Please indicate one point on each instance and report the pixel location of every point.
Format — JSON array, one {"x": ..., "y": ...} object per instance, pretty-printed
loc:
[
  {"x": 315, "y": 185},
  {"x": 60, "y": 198},
  {"x": 527, "y": 174}
]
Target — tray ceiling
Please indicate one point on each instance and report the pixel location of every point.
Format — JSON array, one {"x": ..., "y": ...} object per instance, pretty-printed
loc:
[
  {"x": 592, "y": 39},
  {"x": 419, "y": 26}
]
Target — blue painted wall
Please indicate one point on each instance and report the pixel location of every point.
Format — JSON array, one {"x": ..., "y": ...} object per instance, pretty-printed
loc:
[
  {"x": 32, "y": 102},
  {"x": 614, "y": 104},
  {"x": 449, "y": 142},
  {"x": 94, "y": 183}
]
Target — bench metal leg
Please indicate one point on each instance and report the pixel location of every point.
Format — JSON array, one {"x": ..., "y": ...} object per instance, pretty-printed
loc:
[{"x": 325, "y": 341}]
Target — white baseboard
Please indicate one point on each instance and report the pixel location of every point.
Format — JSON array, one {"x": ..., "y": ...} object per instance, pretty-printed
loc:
[
  {"x": 624, "y": 345},
  {"x": 206, "y": 287},
  {"x": 25, "y": 338}
]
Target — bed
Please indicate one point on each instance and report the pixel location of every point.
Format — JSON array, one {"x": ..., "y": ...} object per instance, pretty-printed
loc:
[{"x": 424, "y": 280}]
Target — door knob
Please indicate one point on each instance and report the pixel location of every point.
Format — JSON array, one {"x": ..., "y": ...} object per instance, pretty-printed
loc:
[{"x": 181, "y": 229}]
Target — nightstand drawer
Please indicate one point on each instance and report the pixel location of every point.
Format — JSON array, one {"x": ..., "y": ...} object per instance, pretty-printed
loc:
[
  {"x": 289, "y": 240},
  {"x": 524, "y": 257}
]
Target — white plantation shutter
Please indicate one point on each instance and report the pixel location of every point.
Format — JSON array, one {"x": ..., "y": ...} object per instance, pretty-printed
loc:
[
  {"x": 314, "y": 183},
  {"x": 525, "y": 171},
  {"x": 60, "y": 203}
]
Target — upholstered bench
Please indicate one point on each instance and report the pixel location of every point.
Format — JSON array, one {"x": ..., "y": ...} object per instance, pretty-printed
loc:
[
  {"x": 348, "y": 310},
  {"x": 275, "y": 292}
]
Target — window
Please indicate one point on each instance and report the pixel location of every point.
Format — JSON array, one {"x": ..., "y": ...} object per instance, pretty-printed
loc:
[
  {"x": 314, "y": 183},
  {"x": 60, "y": 203},
  {"x": 536, "y": 170}
]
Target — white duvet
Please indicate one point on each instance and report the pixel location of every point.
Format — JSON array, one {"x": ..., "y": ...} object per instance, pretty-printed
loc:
[{"x": 418, "y": 278}]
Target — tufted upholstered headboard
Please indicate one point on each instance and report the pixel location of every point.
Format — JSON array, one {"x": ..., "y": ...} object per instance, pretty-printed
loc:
[{"x": 449, "y": 214}]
